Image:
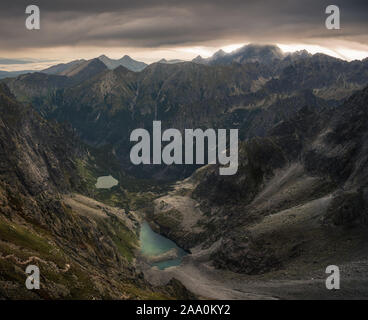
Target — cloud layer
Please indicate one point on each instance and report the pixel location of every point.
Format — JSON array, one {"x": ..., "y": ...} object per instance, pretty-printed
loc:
[{"x": 165, "y": 23}]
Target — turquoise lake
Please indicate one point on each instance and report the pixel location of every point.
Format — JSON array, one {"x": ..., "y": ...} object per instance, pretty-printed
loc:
[{"x": 153, "y": 244}]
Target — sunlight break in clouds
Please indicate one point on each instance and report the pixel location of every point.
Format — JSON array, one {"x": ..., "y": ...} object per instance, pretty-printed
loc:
[{"x": 338, "y": 52}]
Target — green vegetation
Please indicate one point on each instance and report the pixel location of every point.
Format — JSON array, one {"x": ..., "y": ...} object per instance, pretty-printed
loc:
[
  {"x": 18, "y": 244},
  {"x": 145, "y": 294},
  {"x": 125, "y": 240},
  {"x": 130, "y": 193},
  {"x": 85, "y": 171},
  {"x": 26, "y": 239}
]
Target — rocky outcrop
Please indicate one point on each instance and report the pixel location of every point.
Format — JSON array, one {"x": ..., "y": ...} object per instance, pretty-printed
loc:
[{"x": 168, "y": 255}]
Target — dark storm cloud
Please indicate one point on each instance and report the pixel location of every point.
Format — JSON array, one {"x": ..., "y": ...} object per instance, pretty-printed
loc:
[{"x": 173, "y": 22}]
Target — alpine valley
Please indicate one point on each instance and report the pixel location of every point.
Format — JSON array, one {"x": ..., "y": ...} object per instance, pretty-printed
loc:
[{"x": 297, "y": 204}]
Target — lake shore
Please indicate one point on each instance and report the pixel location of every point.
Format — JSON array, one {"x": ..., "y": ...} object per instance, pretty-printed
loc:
[{"x": 198, "y": 276}]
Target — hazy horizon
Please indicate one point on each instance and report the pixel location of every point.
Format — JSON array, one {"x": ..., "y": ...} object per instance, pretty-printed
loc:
[
  {"x": 26, "y": 63},
  {"x": 151, "y": 30}
]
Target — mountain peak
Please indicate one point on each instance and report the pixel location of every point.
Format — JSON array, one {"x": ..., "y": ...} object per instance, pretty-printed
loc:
[
  {"x": 85, "y": 70},
  {"x": 219, "y": 53},
  {"x": 172, "y": 61},
  {"x": 125, "y": 61},
  {"x": 198, "y": 59},
  {"x": 261, "y": 50},
  {"x": 248, "y": 53}
]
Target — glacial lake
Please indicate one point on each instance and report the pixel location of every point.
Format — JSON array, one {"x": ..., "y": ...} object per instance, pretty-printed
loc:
[
  {"x": 106, "y": 182},
  {"x": 153, "y": 245}
]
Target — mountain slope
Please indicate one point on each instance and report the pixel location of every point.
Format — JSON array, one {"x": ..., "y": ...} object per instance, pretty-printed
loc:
[
  {"x": 84, "y": 71},
  {"x": 84, "y": 249},
  {"x": 297, "y": 204},
  {"x": 60, "y": 68},
  {"x": 12, "y": 74}
]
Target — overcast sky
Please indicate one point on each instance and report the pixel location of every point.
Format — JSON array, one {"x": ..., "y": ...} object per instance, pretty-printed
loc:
[{"x": 149, "y": 30}]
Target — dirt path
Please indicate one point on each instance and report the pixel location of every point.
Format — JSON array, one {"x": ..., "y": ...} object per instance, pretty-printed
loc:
[{"x": 32, "y": 259}]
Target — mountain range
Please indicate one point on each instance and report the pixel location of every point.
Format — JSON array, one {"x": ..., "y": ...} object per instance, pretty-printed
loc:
[
  {"x": 251, "y": 96},
  {"x": 70, "y": 67}
]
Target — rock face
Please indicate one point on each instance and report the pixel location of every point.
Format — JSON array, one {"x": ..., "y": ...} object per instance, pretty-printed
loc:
[
  {"x": 84, "y": 249},
  {"x": 36, "y": 156},
  {"x": 168, "y": 255},
  {"x": 299, "y": 198},
  {"x": 257, "y": 88}
]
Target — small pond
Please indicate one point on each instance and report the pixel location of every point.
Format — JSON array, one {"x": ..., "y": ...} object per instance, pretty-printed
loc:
[
  {"x": 106, "y": 182},
  {"x": 154, "y": 245}
]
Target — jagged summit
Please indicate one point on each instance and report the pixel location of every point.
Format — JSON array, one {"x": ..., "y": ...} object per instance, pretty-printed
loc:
[
  {"x": 218, "y": 54},
  {"x": 198, "y": 59},
  {"x": 248, "y": 53},
  {"x": 126, "y": 61},
  {"x": 172, "y": 61}
]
